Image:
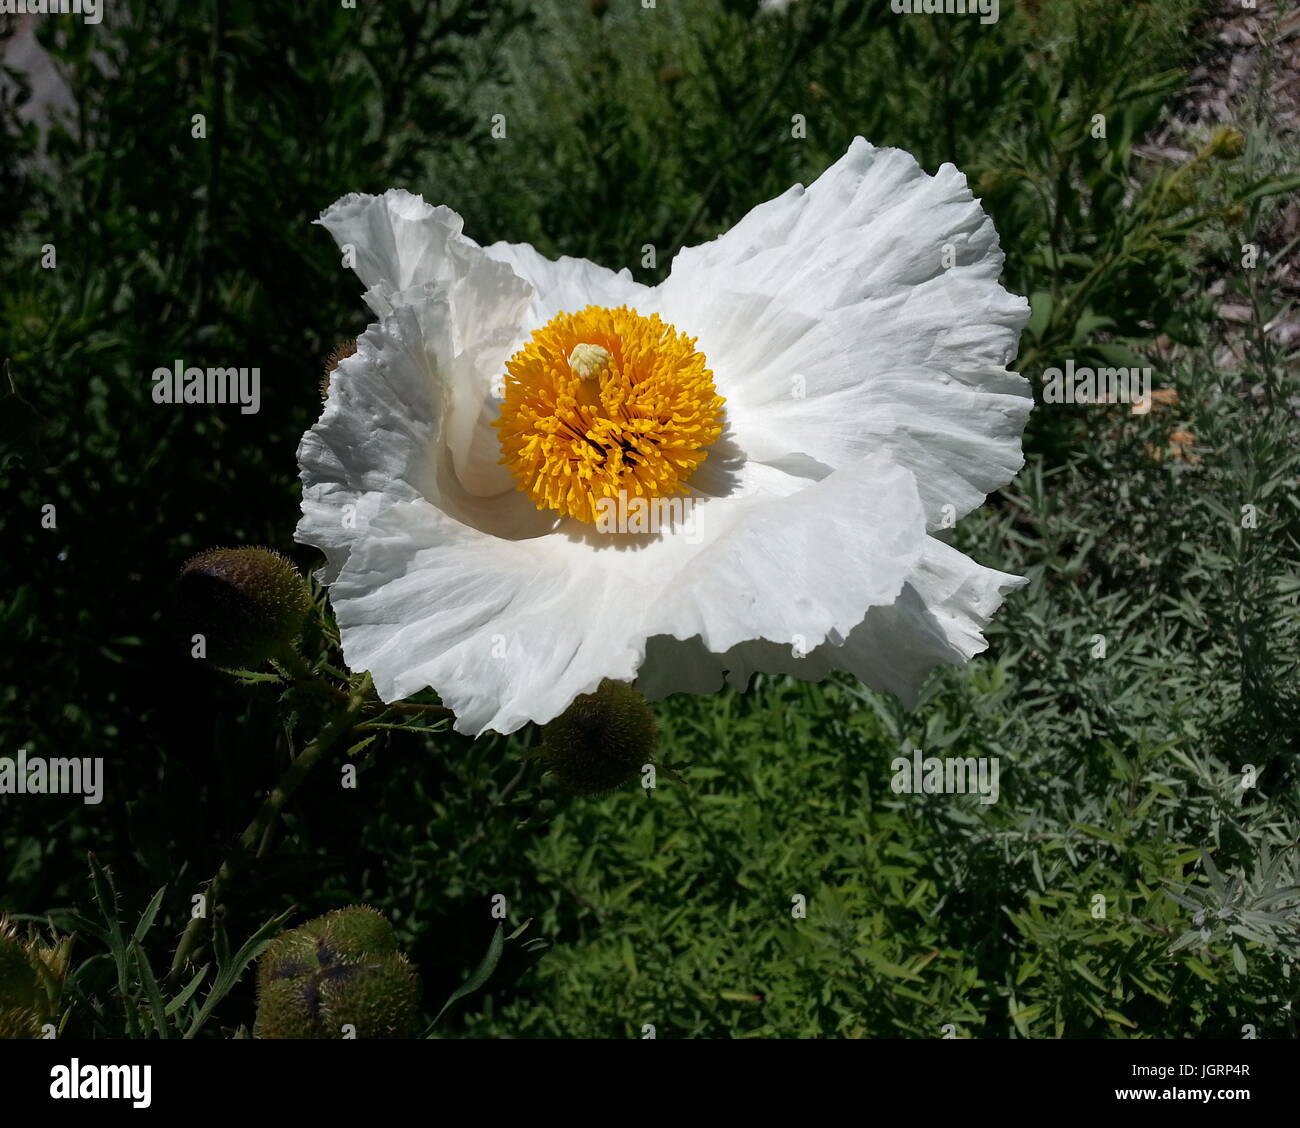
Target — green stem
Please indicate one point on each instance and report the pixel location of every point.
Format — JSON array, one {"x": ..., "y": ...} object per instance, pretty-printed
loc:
[
  {"x": 428, "y": 710},
  {"x": 270, "y": 810},
  {"x": 303, "y": 674}
]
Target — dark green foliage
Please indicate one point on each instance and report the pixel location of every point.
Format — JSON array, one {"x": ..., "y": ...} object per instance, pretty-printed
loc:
[{"x": 1149, "y": 670}]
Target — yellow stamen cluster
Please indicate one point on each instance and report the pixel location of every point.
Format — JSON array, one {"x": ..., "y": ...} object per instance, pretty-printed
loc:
[{"x": 605, "y": 401}]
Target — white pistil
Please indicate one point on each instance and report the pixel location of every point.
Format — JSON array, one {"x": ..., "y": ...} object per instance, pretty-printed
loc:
[{"x": 589, "y": 361}]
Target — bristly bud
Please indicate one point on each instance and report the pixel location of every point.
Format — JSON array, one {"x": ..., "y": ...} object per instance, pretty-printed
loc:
[
  {"x": 248, "y": 603},
  {"x": 31, "y": 979},
  {"x": 337, "y": 356},
  {"x": 600, "y": 741},
  {"x": 19, "y": 988},
  {"x": 341, "y": 969}
]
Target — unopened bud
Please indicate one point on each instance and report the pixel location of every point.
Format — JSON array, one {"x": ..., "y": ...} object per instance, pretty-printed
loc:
[
  {"x": 340, "y": 970},
  {"x": 600, "y": 741},
  {"x": 248, "y": 603}
]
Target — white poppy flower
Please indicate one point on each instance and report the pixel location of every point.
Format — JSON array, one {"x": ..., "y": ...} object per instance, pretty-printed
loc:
[{"x": 825, "y": 385}]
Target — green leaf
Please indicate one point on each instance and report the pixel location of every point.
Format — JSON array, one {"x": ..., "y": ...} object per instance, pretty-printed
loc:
[
  {"x": 1040, "y": 313},
  {"x": 150, "y": 912},
  {"x": 147, "y": 979},
  {"x": 230, "y": 969},
  {"x": 187, "y": 992},
  {"x": 361, "y": 746},
  {"x": 101, "y": 880},
  {"x": 1271, "y": 187},
  {"x": 1118, "y": 356},
  {"x": 1239, "y": 959},
  {"x": 481, "y": 973}
]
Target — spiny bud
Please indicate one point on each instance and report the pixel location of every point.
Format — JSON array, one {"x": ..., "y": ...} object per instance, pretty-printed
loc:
[
  {"x": 341, "y": 969},
  {"x": 31, "y": 978},
  {"x": 337, "y": 356},
  {"x": 248, "y": 603},
  {"x": 51, "y": 961},
  {"x": 19, "y": 986},
  {"x": 15, "y": 1023},
  {"x": 600, "y": 741}
]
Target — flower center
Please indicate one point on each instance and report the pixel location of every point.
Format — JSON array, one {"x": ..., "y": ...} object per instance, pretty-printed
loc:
[{"x": 605, "y": 401}]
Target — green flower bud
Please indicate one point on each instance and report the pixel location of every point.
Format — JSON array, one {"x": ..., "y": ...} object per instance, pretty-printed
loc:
[
  {"x": 248, "y": 603},
  {"x": 340, "y": 969},
  {"x": 19, "y": 986},
  {"x": 600, "y": 741},
  {"x": 31, "y": 977},
  {"x": 18, "y": 1023}
]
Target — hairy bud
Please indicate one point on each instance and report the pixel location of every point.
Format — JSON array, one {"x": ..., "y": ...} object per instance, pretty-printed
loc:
[
  {"x": 341, "y": 969},
  {"x": 601, "y": 741},
  {"x": 248, "y": 603}
]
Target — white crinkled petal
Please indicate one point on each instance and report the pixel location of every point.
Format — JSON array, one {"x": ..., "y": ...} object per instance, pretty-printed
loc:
[
  {"x": 510, "y": 632},
  {"x": 377, "y": 437},
  {"x": 937, "y": 620},
  {"x": 383, "y": 438},
  {"x": 396, "y": 241},
  {"x": 836, "y": 326},
  {"x": 566, "y": 285},
  {"x": 410, "y": 254}
]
